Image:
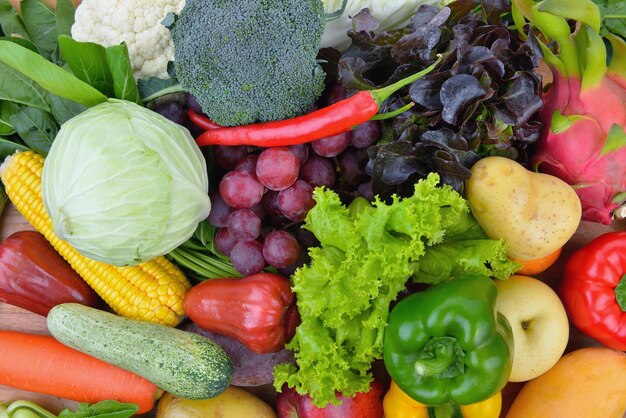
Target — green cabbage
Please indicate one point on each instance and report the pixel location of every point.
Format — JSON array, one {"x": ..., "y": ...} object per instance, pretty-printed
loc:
[
  {"x": 390, "y": 13},
  {"x": 123, "y": 184}
]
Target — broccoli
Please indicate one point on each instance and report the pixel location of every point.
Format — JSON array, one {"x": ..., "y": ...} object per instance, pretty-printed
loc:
[{"x": 250, "y": 60}]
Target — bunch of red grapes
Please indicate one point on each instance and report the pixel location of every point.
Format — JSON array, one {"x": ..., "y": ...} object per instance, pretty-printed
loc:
[{"x": 266, "y": 194}]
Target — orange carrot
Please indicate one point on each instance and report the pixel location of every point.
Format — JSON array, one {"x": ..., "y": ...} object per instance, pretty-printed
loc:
[{"x": 39, "y": 363}]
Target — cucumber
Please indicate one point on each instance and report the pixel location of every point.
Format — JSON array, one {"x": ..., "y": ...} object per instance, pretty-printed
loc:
[{"x": 187, "y": 365}]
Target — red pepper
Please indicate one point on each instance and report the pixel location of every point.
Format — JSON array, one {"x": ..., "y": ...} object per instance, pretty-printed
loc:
[
  {"x": 329, "y": 121},
  {"x": 593, "y": 289},
  {"x": 258, "y": 310},
  {"x": 34, "y": 276},
  {"x": 201, "y": 122}
]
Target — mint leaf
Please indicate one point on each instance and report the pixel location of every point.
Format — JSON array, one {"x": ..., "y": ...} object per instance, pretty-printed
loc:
[{"x": 104, "y": 409}]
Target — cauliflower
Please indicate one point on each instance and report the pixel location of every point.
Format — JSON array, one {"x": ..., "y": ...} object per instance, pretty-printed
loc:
[{"x": 138, "y": 22}]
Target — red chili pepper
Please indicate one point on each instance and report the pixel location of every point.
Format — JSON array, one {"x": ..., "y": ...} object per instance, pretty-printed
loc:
[
  {"x": 329, "y": 121},
  {"x": 258, "y": 310},
  {"x": 594, "y": 289},
  {"x": 201, "y": 122},
  {"x": 34, "y": 276}
]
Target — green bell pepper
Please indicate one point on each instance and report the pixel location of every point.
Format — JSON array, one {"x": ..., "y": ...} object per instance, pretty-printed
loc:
[{"x": 448, "y": 344}]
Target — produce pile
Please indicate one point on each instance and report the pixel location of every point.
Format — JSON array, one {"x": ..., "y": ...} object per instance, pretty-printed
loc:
[{"x": 344, "y": 200}]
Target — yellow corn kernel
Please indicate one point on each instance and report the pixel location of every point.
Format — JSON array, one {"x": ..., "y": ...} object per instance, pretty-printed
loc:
[{"x": 151, "y": 291}]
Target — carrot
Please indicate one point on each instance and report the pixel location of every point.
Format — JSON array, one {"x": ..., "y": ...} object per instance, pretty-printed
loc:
[{"x": 39, "y": 363}]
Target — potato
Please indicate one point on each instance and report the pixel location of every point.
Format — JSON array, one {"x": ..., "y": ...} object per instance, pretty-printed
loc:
[
  {"x": 534, "y": 213},
  {"x": 233, "y": 402}
]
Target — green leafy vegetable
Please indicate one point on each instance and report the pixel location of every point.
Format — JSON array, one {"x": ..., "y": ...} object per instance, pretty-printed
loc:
[
  {"x": 64, "y": 14},
  {"x": 366, "y": 256},
  {"x": 465, "y": 248},
  {"x": 11, "y": 22},
  {"x": 124, "y": 84},
  {"x": 199, "y": 256},
  {"x": 15, "y": 87},
  {"x": 8, "y": 147},
  {"x": 63, "y": 109},
  {"x": 88, "y": 62},
  {"x": 482, "y": 99},
  {"x": 613, "y": 16},
  {"x": 49, "y": 76},
  {"x": 104, "y": 409},
  {"x": 36, "y": 128},
  {"x": 40, "y": 22}
]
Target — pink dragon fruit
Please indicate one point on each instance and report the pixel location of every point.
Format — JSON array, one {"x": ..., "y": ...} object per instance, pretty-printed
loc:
[{"x": 584, "y": 142}]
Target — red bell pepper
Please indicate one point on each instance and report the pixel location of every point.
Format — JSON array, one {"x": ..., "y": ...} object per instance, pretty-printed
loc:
[
  {"x": 593, "y": 289},
  {"x": 34, "y": 276},
  {"x": 258, "y": 310}
]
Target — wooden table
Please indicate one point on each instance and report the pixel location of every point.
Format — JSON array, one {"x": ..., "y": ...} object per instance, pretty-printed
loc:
[{"x": 12, "y": 318}]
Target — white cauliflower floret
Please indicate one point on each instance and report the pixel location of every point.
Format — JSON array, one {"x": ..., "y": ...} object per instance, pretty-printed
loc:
[{"x": 138, "y": 22}]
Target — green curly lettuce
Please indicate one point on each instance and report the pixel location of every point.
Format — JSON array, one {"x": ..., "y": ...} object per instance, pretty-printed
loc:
[{"x": 366, "y": 256}]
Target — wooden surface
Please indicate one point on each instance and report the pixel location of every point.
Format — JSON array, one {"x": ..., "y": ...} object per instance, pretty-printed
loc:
[{"x": 12, "y": 318}]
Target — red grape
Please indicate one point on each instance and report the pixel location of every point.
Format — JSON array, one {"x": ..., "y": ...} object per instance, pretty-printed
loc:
[
  {"x": 301, "y": 151},
  {"x": 193, "y": 104},
  {"x": 365, "y": 190},
  {"x": 247, "y": 257},
  {"x": 296, "y": 201},
  {"x": 350, "y": 169},
  {"x": 241, "y": 190},
  {"x": 366, "y": 134},
  {"x": 277, "y": 168},
  {"x": 228, "y": 157},
  {"x": 331, "y": 146},
  {"x": 244, "y": 225},
  {"x": 318, "y": 171},
  {"x": 337, "y": 93},
  {"x": 280, "y": 249},
  {"x": 259, "y": 210},
  {"x": 248, "y": 164},
  {"x": 270, "y": 205},
  {"x": 224, "y": 241},
  {"x": 172, "y": 111},
  {"x": 219, "y": 210}
]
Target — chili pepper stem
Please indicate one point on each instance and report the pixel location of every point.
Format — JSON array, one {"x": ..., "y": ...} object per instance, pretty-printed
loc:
[
  {"x": 393, "y": 114},
  {"x": 382, "y": 94},
  {"x": 620, "y": 293}
]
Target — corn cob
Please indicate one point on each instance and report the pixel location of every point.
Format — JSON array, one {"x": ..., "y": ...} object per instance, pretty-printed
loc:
[{"x": 151, "y": 291}]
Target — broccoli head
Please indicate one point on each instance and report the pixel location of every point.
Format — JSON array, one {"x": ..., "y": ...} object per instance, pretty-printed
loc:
[{"x": 250, "y": 60}]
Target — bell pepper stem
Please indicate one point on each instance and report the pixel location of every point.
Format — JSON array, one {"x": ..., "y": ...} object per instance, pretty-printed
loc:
[
  {"x": 620, "y": 293},
  {"x": 382, "y": 94},
  {"x": 446, "y": 410},
  {"x": 444, "y": 357}
]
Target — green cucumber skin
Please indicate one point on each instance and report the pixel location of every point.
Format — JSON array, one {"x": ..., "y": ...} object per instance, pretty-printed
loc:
[{"x": 186, "y": 365}]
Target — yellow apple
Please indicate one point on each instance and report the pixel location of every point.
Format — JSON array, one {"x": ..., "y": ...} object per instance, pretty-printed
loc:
[{"x": 539, "y": 323}]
